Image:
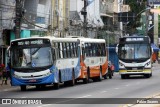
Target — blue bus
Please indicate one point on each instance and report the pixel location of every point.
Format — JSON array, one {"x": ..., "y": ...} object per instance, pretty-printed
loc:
[{"x": 41, "y": 61}]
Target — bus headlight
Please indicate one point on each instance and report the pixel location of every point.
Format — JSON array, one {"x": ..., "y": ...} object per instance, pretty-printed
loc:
[
  {"x": 53, "y": 70},
  {"x": 148, "y": 63},
  {"x": 122, "y": 65},
  {"x": 16, "y": 76},
  {"x": 48, "y": 73}
]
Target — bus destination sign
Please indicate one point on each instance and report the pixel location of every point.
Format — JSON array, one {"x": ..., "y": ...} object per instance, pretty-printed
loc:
[
  {"x": 28, "y": 42},
  {"x": 34, "y": 42},
  {"x": 134, "y": 39}
]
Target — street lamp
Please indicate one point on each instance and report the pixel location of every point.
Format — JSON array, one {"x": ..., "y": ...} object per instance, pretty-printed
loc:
[
  {"x": 143, "y": 11},
  {"x": 146, "y": 9}
]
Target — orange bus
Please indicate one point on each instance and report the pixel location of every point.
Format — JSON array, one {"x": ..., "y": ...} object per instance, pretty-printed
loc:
[{"x": 93, "y": 61}]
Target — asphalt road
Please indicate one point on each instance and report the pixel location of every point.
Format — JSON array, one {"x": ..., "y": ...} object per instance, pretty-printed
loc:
[{"x": 134, "y": 87}]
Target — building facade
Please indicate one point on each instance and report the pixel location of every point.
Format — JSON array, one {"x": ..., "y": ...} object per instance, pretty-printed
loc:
[
  {"x": 7, "y": 15},
  {"x": 60, "y": 17},
  {"x": 94, "y": 20}
]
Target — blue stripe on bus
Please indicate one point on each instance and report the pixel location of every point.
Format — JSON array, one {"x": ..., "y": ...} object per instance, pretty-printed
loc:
[{"x": 46, "y": 80}]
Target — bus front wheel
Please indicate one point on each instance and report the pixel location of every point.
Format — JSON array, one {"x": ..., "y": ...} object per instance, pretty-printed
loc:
[
  {"x": 23, "y": 87},
  {"x": 147, "y": 75},
  {"x": 123, "y": 76},
  {"x": 56, "y": 86}
]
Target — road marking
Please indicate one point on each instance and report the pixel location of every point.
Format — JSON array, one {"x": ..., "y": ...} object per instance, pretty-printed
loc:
[
  {"x": 127, "y": 85},
  {"x": 116, "y": 88},
  {"x": 24, "y": 97},
  {"x": 44, "y": 105},
  {"x": 85, "y": 96},
  {"x": 127, "y": 105},
  {"x": 103, "y": 91},
  {"x": 138, "y": 83}
]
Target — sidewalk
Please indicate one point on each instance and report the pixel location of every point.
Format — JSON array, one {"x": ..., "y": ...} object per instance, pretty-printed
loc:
[{"x": 4, "y": 86}]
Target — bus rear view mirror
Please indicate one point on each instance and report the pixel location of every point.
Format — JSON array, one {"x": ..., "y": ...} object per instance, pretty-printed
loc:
[
  {"x": 152, "y": 50},
  {"x": 117, "y": 48}
]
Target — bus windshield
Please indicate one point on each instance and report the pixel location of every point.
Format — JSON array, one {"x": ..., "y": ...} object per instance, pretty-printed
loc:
[
  {"x": 31, "y": 57},
  {"x": 134, "y": 51}
]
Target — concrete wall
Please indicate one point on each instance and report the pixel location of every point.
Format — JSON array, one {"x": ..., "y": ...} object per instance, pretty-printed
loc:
[{"x": 7, "y": 13}]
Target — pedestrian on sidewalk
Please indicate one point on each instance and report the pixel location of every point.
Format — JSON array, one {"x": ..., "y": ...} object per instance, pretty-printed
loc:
[
  {"x": 8, "y": 72},
  {"x": 4, "y": 74}
]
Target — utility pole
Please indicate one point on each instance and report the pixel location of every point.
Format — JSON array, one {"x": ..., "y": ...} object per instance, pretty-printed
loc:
[
  {"x": 18, "y": 18},
  {"x": 147, "y": 21},
  {"x": 84, "y": 13}
]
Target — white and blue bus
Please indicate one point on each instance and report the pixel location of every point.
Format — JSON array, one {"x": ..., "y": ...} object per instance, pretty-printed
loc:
[
  {"x": 43, "y": 61},
  {"x": 134, "y": 53}
]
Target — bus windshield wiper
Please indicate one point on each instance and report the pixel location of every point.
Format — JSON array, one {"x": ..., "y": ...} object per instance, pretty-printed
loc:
[{"x": 35, "y": 51}]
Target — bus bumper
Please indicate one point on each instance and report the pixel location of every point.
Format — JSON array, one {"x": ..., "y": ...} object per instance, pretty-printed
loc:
[
  {"x": 136, "y": 72},
  {"x": 34, "y": 81}
]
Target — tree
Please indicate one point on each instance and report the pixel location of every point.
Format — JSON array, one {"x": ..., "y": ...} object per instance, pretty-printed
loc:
[{"x": 136, "y": 7}]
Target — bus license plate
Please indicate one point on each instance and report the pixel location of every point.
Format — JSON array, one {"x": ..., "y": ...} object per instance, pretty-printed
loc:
[
  {"x": 32, "y": 80},
  {"x": 134, "y": 68}
]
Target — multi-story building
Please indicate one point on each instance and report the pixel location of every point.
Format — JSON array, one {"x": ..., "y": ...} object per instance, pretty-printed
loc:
[
  {"x": 60, "y": 17},
  {"x": 36, "y": 17},
  {"x": 108, "y": 11},
  {"x": 107, "y": 15},
  {"x": 7, "y": 15},
  {"x": 94, "y": 20}
]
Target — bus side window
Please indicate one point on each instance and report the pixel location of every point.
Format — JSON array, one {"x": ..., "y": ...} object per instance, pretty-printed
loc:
[
  {"x": 86, "y": 49},
  {"x": 103, "y": 49},
  {"x": 69, "y": 50},
  {"x": 90, "y": 50},
  {"x": 94, "y": 49},
  {"x": 63, "y": 50},
  {"x": 83, "y": 52},
  {"x": 53, "y": 54},
  {"x": 74, "y": 47},
  {"x": 59, "y": 50},
  {"x": 72, "y": 50},
  {"x": 99, "y": 50},
  {"x": 66, "y": 51}
]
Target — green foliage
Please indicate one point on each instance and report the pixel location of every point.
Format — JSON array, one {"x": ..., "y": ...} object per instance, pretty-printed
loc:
[
  {"x": 37, "y": 32},
  {"x": 137, "y": 9},
  {"x": 109, "y": 37}
]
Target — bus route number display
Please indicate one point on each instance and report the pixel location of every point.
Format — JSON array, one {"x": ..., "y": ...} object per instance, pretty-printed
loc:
[
  {"x": 32, "y": 42},
  {"x": 134, "y": 39}
]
